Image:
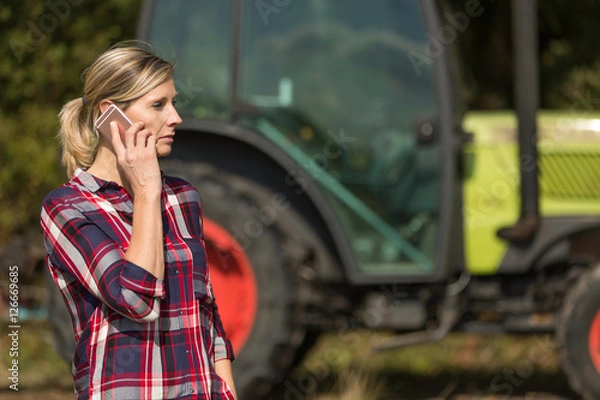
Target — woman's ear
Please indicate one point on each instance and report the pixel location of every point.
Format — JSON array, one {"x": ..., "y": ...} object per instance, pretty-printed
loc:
[{"x": 104, "y": 105}]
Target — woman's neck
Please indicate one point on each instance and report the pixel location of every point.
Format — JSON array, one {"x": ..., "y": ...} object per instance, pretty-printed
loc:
[{"x": 106, "y": 167}]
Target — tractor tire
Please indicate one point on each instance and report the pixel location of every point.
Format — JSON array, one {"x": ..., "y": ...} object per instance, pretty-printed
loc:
[
  {"x": 578, "y": 335},
  {"x": 256, "y": 290}
]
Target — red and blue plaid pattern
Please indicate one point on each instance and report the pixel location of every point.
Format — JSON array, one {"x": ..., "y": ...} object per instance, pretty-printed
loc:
[{"x": 138, "y": 337}]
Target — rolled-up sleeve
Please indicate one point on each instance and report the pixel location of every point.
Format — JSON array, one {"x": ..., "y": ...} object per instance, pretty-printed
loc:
[
  {"x": 80, "y": 248},
  {"x": 223, "y": 347}
]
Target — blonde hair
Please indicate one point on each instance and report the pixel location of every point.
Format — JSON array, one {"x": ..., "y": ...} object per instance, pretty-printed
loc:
[{"x": 122, "y": 74}]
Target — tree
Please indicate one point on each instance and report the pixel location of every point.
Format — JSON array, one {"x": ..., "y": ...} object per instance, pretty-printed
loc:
[
  {"x": 48, "y": 45},
  {"x": 569, "y": 60}
]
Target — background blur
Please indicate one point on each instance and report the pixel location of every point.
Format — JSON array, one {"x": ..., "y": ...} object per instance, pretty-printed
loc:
[{"x": 47, "y": 44}]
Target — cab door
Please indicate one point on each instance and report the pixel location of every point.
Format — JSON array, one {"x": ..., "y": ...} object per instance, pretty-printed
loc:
[{"x": 358, "y": 93}]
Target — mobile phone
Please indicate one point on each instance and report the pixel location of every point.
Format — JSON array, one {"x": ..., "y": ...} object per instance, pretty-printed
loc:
[{"x": 112, "y": 113}]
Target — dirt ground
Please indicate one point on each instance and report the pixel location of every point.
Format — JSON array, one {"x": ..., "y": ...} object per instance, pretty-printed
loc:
[
  {"x": 406, "y": 387},
  {"x": 66, "y": 394},
  {"x": 466, "y": 368},
  {"x": 36, "y": 395}
]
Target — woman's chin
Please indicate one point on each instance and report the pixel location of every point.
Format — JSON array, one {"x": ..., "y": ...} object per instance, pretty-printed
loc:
[{"x": 163, "y": 151}]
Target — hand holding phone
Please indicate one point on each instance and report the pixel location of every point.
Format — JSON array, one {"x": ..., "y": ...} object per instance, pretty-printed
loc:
[
  {"x": 136, "y": 152},
  {"x": 112, "y": 113}
]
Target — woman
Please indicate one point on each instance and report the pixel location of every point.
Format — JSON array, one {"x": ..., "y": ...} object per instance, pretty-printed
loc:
[{"x": 125, "y": 244}]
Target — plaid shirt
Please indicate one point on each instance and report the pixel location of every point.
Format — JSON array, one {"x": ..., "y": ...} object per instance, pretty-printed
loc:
[{"x": 138, "y": 337}]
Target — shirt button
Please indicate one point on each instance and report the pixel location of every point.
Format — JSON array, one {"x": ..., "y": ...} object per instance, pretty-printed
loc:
[
  {"x": 181, "y": 312},
  {"x": 177, "y": 271},
  {"x": 187, "y": 351}
]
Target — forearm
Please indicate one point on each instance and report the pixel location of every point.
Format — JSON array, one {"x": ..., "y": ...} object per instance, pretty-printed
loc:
[
  {"x": 93, "y": 258},
  {"x": 223, "y": 369},
  {"x": 146, "y": 244}
]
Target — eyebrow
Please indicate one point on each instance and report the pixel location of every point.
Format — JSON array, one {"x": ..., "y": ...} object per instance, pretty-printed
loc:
[{"x": 162, "y": 98}]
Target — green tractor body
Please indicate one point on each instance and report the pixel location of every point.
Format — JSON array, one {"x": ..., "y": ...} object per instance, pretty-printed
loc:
[{"x": 569, "y": 162}]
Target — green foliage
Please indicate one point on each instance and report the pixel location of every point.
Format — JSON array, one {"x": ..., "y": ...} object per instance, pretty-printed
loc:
[
  {"x": 39, "y": 364},
  {"x": 49, "y": 44},
  {"x": 568, "y": 54}
]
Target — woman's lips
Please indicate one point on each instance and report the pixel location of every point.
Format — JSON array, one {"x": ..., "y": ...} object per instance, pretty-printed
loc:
[{"x": 166, "y": 138}]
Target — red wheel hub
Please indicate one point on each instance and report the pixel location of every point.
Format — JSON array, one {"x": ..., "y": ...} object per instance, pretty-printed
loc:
[
  {"x": 233, "y": 283},
  {"x": 594, "y": 342}
]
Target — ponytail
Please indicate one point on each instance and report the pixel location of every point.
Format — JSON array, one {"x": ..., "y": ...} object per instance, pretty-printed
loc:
[
  {"x": 77, "y": 138},
  {"x": 122, "y": 74}
]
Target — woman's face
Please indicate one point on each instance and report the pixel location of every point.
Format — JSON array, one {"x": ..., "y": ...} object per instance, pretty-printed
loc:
[{"x": 156, "y": 109}]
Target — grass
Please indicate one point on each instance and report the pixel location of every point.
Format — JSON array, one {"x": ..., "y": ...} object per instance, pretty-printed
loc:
[
  {"x": 39, "y": 365},
  {"x": 343, "y": 367}
]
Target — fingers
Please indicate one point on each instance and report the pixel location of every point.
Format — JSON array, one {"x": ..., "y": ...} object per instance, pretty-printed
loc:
[
  {"x": 126, "y": 140},
  {"x": 137, "y": 157},
  {"x": 136, "y": 143},
  {"x": 134, "y": 137},
  {"x": 115, "y": 138},
  {"x": 151, "y": 142},
  {"x": 144, "y": 141},
  {"x": 132, "y": 133}
]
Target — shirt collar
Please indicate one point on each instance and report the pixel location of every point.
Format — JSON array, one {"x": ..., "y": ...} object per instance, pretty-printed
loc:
[
  {"x": 94, "y": 184},
  {"x": 89, "y": 181}
]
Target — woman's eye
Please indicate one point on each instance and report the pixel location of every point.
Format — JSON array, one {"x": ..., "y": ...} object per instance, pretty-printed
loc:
[{"x": 158, "y": 105}]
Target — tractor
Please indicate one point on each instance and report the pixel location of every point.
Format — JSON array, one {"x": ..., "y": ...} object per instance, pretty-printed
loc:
[{"x": 345, "y": 184}]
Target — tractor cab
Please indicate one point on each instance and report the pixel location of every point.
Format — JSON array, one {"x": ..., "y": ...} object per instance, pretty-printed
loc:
[{"x": 356, "y": 94}]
